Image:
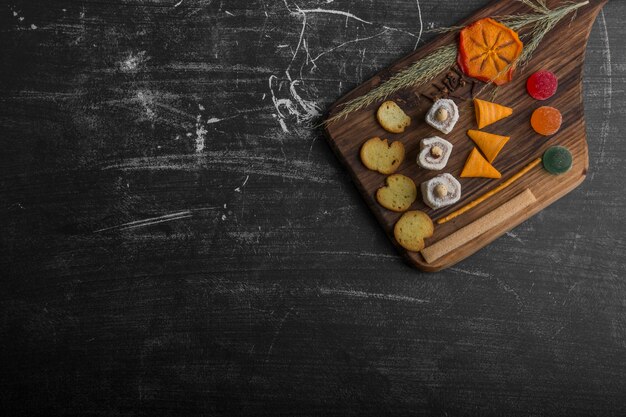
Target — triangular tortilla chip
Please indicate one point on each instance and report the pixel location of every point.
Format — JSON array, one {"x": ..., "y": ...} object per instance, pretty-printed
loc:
[
  {"x": 488, "y": 143},
  {"x": 478, "y": 167},
  {"x": 488, "y": 113}
]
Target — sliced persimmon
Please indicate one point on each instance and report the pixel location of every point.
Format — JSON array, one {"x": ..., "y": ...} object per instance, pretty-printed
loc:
[{"x": 488, "y": 51}]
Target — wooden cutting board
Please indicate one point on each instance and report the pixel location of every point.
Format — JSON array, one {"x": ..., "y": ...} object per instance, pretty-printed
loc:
[{"x": 562, "y": 51}]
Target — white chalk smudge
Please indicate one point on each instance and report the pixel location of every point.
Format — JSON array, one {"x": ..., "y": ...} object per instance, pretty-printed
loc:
[
  {"x": 505, "y": 287},
  {"x": 132, "y": 62},
  {"x": 148, "y": 222},
  {"x": 310, "y": 109},
  {"x": 20, "y": 18},
  {"x": 334, "y": 48},
  {"x": 240, "y": 162},
  {"x": 370, "y": 295},
  {"x": 200, "y": 126},
  {"x": 296, "y": 106},
  {"x": 514, "y": 236},
  {"x": 238, "y": 189},
  {"x": 499, "y": 282},
  {"x": 282, "y": 123},
  {"x": 328, "y": 11},
  {"x": 201, "y": 131},
  {"x": 472, "y": 273},
  {"x": 200, "y": 134},
  {"x": 276, "y": 333},
  {"x": 245, "y": 238},
  {"x": 354, "y": 254},
  {"x": 147, "y": 101},
  {"x": 179, "y": 215},
  {"x": 304, "y": 110},
  {"x": 419, "y": 13}
]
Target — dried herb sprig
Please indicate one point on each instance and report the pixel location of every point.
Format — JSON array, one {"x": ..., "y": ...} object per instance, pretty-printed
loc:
[
  {"x": 416, "y": 75},
  {"x": 543, "y": 21},
  {"x": 424, "y": 70}
]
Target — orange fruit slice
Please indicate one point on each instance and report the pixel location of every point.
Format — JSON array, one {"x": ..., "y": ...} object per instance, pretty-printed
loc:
[
  {"x": 546, "y": 120},
  {"x": 489, "y": 144},
  {"x": 488, "y": 113},
  {"x": 477, "y": 166},
  {"x": 488, "y": 51}
]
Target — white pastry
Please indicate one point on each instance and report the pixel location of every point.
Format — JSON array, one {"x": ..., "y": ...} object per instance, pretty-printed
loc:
[
  {"x": 443, "y": 115},
  {"x": 434, "y": 153},
  {"x": 441, "y": 191}
]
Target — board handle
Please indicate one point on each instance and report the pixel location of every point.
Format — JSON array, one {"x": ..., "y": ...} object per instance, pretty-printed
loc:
[
  {"x": 591, "y": 10},
  {"x": 588, "y": 12}
]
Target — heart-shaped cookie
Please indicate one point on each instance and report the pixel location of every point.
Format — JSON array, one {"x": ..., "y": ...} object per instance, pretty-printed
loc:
[
  {"x": 398, "y": 194},
  {"x": 379, "y": 155}
]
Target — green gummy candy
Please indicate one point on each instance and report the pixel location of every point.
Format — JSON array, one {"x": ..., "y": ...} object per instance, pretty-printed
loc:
[{"x": 557, "y": 160}]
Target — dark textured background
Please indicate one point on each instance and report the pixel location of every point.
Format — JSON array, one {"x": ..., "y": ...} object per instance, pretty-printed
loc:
[{"x": 177, "y": 240}]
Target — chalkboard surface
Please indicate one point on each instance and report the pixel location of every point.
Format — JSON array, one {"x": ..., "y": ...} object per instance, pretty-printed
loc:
[{"x": 178, "y": 239}]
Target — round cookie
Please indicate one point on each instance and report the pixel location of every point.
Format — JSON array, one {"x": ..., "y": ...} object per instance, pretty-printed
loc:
[
  {"x": 411, "y": 230},
  {"x": 379, "y": 155},
  {"x": 392, "y": 118}
]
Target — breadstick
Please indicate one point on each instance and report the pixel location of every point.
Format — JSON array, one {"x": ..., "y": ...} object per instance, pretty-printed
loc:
[
  {"x": 473, "y": 230},
  {"x": 490, "y": 193}
]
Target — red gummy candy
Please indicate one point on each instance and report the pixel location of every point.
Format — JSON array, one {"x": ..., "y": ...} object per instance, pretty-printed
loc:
[{"x": 542, "y": 85}]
